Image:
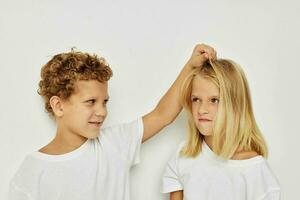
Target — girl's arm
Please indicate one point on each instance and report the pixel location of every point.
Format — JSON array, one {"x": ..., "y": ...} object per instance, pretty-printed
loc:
[
  {"x": 177, "y": 195},
  {"x": 169, "y": 107}
]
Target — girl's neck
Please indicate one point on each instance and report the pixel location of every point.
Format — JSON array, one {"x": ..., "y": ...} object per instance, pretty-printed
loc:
[
  {"x": 208, "y": 141},
  {"x": 240, "y": 154}
]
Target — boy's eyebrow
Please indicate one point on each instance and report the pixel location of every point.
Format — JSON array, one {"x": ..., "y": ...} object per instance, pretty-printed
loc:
[{"x": 93, "y": 97}]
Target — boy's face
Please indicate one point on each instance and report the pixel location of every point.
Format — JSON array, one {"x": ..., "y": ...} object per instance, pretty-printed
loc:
[{"x": 85, "y": 110}]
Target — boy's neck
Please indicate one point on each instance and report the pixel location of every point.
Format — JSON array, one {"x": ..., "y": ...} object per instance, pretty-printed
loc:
[{"x": 63, "y": 142}]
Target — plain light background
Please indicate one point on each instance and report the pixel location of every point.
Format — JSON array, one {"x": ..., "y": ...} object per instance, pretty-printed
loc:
[{"x": 146, "y": 44}]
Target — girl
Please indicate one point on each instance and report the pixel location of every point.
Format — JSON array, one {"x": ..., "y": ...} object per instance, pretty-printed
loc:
[{"x": 224, "y": 156}]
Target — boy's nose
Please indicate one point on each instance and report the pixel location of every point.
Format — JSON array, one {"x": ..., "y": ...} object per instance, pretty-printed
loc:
[{"x": 101, "y": 112}]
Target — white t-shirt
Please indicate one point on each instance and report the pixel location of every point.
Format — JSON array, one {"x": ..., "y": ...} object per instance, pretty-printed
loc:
[
  {"x": 208, "y": 177},
  {"x": 98, "y": 169}
]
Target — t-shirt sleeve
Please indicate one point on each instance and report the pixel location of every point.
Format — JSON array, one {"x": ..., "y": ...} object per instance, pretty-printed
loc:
[
  {"x": 271, "y": 195},
  {"x": 127, "y": 138},
  {"x": 171, "y": 177},
  {"x": 264, "y": 182},
  {"x": 16, "y": 193}
]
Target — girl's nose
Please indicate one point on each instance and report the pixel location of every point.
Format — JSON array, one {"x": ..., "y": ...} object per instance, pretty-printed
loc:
[{"x": 203, "y": 109}]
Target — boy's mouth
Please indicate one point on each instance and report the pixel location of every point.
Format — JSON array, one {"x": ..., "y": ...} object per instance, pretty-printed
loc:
[{"x": 96, "y": 124}]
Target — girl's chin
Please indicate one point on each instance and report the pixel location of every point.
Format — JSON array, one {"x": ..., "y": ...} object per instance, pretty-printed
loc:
[{"x": 205, "y": 132}]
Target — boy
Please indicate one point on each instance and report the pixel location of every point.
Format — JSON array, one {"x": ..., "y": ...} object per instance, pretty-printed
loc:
[{"x": 82, "y": 161}]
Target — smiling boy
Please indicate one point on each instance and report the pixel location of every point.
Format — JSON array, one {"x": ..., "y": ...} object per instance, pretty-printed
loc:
[{"x": 84, "y": 161}]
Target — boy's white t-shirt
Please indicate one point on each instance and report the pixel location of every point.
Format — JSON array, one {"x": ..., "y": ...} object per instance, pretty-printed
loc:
[
  {"x": 98, "y": 169},
  {"x": 211, "y": 178}
]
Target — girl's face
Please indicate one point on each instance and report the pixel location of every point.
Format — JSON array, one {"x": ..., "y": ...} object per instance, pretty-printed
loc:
[{"x": 205, "y": 100}]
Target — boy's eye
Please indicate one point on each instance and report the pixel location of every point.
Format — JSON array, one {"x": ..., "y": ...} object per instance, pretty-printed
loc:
[
  {"x": 91, "y": 101},
  {"x": 215, "y": 100},
  {"x": 105, "y": 101}
]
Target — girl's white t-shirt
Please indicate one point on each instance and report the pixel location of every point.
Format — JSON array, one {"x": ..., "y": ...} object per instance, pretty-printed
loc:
[
  {"x": 98, "y": 169},
  {"x": 209, "y": 177}
]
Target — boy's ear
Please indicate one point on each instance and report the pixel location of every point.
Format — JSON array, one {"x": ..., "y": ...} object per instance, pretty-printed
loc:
[{"x": 57, "y": 106}]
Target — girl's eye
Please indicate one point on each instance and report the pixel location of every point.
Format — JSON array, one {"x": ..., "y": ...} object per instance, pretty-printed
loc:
[
  {"x": 215, "y": 100},
  {"x": 195, "y": 99}
]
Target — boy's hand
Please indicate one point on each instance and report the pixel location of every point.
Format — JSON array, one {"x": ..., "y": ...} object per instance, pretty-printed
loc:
[
  {"x": 201, "y": 54},
  {"x": 169, "y": 106}
]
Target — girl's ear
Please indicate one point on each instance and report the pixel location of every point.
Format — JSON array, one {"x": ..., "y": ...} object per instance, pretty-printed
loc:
[{"x": 57, "y": 106}]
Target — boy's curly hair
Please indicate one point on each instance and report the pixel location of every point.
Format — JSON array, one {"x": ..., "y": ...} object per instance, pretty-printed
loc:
[{"x": 59, "y": 75}]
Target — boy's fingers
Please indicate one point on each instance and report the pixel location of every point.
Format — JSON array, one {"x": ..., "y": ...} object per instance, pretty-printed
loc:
[
  {"x": 203, "y": 52},
  {"x": 206, "y": 55},
  {"x": 212, "y": 53},
  {"x": 215, "y": 55}
]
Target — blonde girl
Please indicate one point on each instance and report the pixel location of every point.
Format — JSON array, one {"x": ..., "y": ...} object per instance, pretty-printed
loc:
[{"x": 225, "y": 154}]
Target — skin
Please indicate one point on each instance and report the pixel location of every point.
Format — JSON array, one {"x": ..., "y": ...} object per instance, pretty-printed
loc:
[
  {"x": 205, "y": 101},
  {"x": 177, "y": 195},
  {"x": 77, "y": 116},
  {"x": 169, "y": 107}
]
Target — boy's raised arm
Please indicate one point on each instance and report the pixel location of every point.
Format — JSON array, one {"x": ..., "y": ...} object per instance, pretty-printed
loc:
[{"x": 169, "y": 107}]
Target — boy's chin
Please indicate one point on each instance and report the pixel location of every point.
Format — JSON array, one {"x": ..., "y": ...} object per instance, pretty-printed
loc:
[{"x": 92, "y": 135}]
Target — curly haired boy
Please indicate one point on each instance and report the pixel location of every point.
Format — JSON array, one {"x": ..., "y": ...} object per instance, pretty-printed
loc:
[{"x": 85, "y": 161}]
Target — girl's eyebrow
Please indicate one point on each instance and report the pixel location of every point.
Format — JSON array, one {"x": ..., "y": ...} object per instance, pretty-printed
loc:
[
  {"x": 194, "y": 96},
  {"x": 212, "y": 96}
]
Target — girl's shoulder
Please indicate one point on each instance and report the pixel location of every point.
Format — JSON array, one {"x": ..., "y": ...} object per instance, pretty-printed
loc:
[
  {"x": 261, "y": 177},
  {"x": 182, "y": 161},
  {"x": 244, "y": 155}
]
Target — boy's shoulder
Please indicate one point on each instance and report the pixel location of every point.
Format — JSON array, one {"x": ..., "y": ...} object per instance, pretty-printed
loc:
[
  {"x": 124, "y": 126},
  {"x": 31, "y": 163},
  {"x": 29, "y": 170},
  {"x": 122, "y": 133}
]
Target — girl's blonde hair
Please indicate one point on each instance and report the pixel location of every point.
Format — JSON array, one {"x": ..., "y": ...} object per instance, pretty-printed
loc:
[{"x": 235, "y": 126}]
